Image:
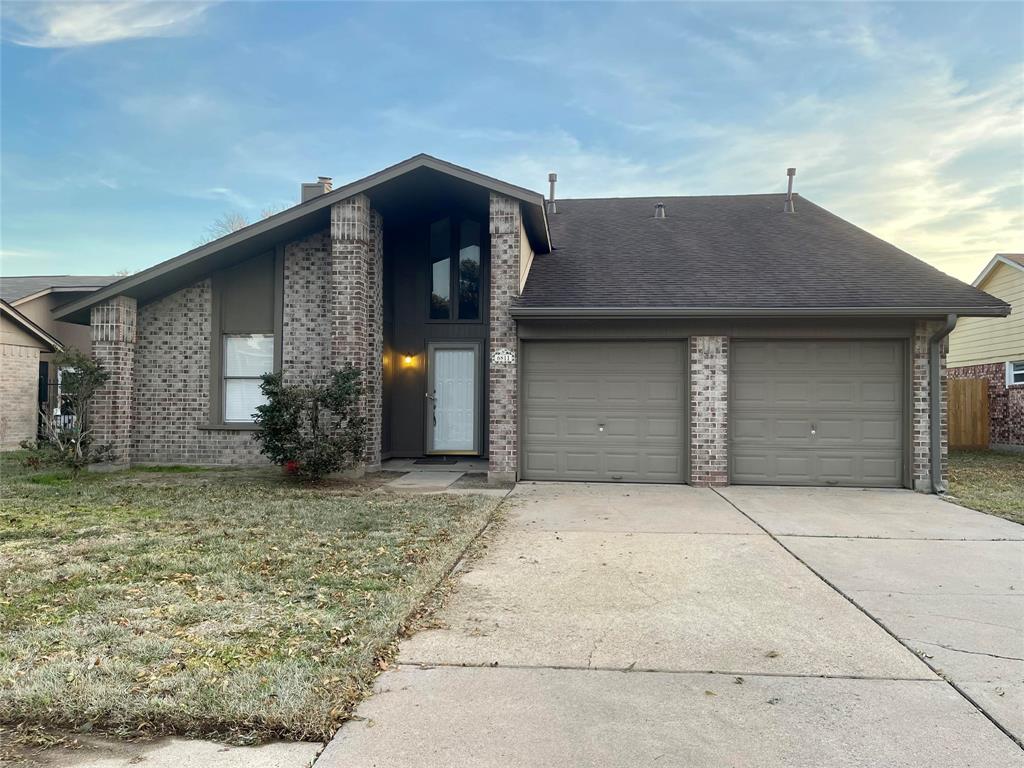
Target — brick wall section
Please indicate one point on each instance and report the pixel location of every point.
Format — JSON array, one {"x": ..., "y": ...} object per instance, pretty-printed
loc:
[
  {"x": 709, "y": 410},
  {"x": 172, "y": 387},
  {"x": 921, "y": 471},
  {"x": 375, "y": 351},
  {"x": 1005, "y": 404},
  {"x": 113, "y": 346},
  {"x": 355, "y": 314},
  {"x": 19, "y": 387},
  {"x": 502, "y": 378},
  {"x": 305, "y": 354}
]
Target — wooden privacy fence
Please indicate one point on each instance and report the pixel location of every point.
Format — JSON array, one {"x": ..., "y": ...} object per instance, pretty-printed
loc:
[{"x": 968, "y": 413}]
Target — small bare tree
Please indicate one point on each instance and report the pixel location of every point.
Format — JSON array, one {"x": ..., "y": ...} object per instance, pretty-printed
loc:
[
  {"x": 232, "y": 221},
  {"x": 81, "y": 378},
  {"x": 225, "y": 224}
]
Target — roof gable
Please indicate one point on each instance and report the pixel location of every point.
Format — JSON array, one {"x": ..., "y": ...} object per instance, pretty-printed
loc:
[
  {"x": 1010, "y": 260},
  {"x": 294, "y": 222},
  {"x": 29, "y": 327}
]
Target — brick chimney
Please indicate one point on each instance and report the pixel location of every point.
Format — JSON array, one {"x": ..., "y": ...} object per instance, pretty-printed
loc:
[{"x": 321, "y": 186}]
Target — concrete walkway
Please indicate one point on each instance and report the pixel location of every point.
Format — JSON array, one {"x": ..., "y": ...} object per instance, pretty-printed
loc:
[{"x": 621, "y": 625}]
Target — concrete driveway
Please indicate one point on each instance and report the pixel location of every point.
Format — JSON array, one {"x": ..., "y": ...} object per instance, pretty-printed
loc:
[
  {"x": 621, "y": 625},
  {"x": 948, "y": 581}
]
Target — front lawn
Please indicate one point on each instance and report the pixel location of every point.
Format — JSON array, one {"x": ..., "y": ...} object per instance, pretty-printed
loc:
[
  {"x": 226, "y": 603},
  {"x": 989, "y": 481}
]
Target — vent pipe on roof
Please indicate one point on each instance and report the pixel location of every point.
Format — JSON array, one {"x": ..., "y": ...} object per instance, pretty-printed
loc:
[
  {"x": 788, "y": 208},
  {"x": 552, "y": 178},
  {"x": 321, "y": 186},
  {"x": 659, "y": 210}
]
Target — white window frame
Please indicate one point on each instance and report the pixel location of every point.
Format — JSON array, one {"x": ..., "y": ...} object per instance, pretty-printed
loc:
[
  {"x": 225, "y": 378},
  {"x": 1014, "y": 372}
]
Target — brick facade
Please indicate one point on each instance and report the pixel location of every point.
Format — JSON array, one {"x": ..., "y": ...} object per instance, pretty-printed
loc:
[
  {"x": 171, "y": 415},
  {"x": 305, "y": 354},
  {"x": 355, "y": 308},
  {"x": 1005, "y": 404},
  {"x": 113, "y": 346},
  {"x": 19, "y": 383},
  {"x": 503, "y": 376},
  {"x": 920, "y": 427},
  {"x": 709, "y": 410}
]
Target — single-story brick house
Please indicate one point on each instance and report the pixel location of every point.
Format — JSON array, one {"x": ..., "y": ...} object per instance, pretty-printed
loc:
[
  {"x": 21, "y": 344},
  {"x": 992, "y": 348},
  {"x": 709, "y": 340},
  {"x": 35, "y": 297}
]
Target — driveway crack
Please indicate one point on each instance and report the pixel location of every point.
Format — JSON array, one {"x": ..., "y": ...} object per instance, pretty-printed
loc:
[{"x": 964, "y": 650}]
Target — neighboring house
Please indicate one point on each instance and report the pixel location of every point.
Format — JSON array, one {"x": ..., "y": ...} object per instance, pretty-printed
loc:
[
  {"x": 992, "y": 348},
  {"x": 36, "y": 297},
  {"x": 688, "y": 339},
  {"x": 21, "y": 343}
]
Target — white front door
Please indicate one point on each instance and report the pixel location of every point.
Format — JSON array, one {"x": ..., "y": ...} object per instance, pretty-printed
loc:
[{"x": 452, "y": 399}]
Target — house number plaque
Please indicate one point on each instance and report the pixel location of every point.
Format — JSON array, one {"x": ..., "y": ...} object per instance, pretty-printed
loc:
[{"x": 503, "y": 357}]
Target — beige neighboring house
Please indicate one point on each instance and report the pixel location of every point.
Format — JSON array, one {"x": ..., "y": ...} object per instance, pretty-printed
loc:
[
  {"x": 34, "y": 298},
  {"x": 21, "y": 344},
  {"x": 992, "y": 348}
]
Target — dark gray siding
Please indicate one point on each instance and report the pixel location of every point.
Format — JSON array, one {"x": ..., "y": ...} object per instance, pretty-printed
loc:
[{"x": 408, "y": 331}]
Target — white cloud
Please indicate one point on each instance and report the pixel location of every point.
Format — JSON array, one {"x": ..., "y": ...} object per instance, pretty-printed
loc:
[
  {"x": 71, "y": 24},
  {"x": 25, "y": 261},
  {"x": 898, "y": 143}
]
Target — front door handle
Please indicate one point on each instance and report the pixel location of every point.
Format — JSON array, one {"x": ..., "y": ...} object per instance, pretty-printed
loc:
[{"x": 814, "y": 430}]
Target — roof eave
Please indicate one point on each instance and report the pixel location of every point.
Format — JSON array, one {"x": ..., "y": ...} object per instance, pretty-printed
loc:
[
  {"x": 55, "y": 289},
  {"x": 616, "y": 313}
]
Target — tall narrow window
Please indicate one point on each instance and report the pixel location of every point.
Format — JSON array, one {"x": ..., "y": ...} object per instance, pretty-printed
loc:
[
  {"x": 440, "y": 270},
  {"x": 247, "y": 357},
  {"x": 469, "y": 270}
]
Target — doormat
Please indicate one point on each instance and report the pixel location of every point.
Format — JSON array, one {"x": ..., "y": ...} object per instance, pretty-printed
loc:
[{"x": 436, "y": 460}]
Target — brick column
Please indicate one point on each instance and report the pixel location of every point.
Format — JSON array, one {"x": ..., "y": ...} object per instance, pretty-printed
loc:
[
  {"x": 921, "y": 470},
  {"x": 502, "y": 373},
  {"x": 709, "y": 410},
  {"x": 113, "y": 346},
  {"x": 355, "y": 311}
]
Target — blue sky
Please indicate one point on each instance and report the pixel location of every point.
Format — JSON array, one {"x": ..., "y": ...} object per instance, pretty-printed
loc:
[{"x": 127, "y": 128}]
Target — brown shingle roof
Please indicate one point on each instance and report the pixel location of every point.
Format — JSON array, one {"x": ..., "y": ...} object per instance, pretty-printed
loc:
[{"x": 731, "y": 252}]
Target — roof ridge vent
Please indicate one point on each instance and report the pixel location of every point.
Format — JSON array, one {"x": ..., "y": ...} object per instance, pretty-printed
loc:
[
  {"x": 659, "y": 210},
  {"x": 788, "y": 207}
]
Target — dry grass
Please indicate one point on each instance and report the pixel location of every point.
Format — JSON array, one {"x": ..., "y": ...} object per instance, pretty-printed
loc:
[
  {"x": 230, "y": 604},
  {"x": 989, "y": 481}
]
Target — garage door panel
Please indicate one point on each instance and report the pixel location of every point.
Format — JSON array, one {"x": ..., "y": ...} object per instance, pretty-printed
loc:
[
  {"x": 881, "y": 393},
  {"x": 883, "y": 354},
  {"x": 579, "y": 391},
  {"x": 586, "y": 462},
  {"x": 542, "y": 426},
  {"x": 849, "y": 393},
  {"x": 881, "y": 430},
  {"x": 636, "y": 391}
]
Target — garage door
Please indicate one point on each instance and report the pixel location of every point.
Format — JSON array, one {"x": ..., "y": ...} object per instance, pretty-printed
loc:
[
  {"x": 604, "y": 411},
  {"x": 817, "y": 412}
]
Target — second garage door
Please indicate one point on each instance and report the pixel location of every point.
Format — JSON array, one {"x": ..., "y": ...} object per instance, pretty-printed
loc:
[
  {"x": 817, "y": 412},
  {"x": 604, "y": 411}
]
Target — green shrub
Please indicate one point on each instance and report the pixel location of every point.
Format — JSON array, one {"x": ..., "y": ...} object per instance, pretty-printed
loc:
[{"x": 312, "y": 430}]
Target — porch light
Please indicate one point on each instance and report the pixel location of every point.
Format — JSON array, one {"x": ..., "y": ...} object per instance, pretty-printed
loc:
[{"x": 408, "y": 360}]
